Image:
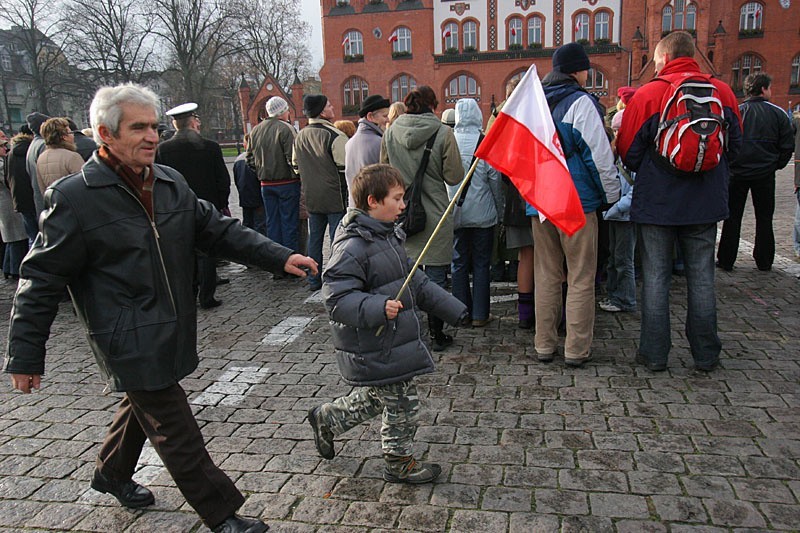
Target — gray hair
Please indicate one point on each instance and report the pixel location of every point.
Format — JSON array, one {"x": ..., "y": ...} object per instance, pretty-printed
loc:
[{"x": 106, "y": 108}]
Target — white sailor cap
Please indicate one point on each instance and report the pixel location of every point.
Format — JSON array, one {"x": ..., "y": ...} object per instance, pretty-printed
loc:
[{"x": 181, "y": 110}]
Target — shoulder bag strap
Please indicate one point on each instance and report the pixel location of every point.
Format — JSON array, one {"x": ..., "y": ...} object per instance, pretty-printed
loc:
[{"x": 423, "y": 165}]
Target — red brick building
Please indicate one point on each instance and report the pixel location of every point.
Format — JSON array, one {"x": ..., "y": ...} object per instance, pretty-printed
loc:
[{"x": 473, "y": 48}]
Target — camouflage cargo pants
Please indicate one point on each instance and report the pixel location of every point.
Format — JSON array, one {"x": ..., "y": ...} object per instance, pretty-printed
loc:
[{"x": 399, "y": 404}]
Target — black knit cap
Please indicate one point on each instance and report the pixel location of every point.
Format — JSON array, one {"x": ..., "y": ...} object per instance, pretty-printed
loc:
[
  {"x": 314, "y": 104},
  {"x": 570, "y": 58},
  {"x": 372, "y": 103},
  {"x": 35, "y": 121}
]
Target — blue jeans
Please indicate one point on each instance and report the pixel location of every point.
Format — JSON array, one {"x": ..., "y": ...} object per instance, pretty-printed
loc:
[
  {"x": 621, "y": 278},
  {"x": 282, "y": 204},
  {"x": 255, "y": 219},
  {"x": 317, "y": 222},
  {"x": 796, "y": 231},
  {"x": 472, "y": 252},
  {"x": 15, "y": 252},
  {"x": 31, "y": 223},
  {"x": 696, "y": 242}
]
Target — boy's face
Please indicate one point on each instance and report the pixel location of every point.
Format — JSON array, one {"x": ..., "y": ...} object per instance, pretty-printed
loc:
[{"x": 388, "y": 209}]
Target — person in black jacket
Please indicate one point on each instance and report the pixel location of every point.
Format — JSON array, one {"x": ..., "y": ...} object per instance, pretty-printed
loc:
[
  {"x": 767, "y": 146},
  {"x": 119, "y": 235},
  {"x": 19, "y": 182},
  {"x": 201, "y": 163}
]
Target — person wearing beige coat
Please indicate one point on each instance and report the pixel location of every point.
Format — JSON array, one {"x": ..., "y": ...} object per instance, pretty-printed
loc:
[{"x": 59, "y": 158}]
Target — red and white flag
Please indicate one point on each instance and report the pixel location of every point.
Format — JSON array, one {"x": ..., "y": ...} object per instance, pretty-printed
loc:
[
  {"x": 446, "y": 33},
  {"x": 758, "y": 12},
  {"x": 577, "y": 26},
  {"x": 523, "y": 144},
  {"x": 346, "y": 40},
  {"x": 393, "y": 36},
  {"x": 513, "y": 32}
]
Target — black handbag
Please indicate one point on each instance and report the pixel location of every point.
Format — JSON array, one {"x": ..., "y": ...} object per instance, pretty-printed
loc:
[{"x": 413, "y": 218}]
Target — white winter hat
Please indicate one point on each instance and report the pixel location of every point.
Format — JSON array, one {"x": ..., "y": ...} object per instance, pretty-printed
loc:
[{"x": 276, "y": 106}]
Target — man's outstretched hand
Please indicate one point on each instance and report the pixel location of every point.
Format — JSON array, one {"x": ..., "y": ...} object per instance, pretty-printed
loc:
[{"x": 298, "y": 265}]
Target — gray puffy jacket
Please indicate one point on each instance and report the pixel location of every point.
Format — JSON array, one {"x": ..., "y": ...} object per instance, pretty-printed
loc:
[{"x": 368, "y": 266}]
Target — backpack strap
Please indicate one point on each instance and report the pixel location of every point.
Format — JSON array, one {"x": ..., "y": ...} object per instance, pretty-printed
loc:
[
  {"x": 331, "y": 136},
  {"x": 466, "y": 187}
]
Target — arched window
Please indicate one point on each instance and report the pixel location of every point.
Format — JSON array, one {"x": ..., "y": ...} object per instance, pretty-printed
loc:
[
  {"x": 403, "y": 41},
  {"x": 5, "y": 61},
  {"x": 596, "y": 80},
  {"x": 401, "y": 86},
  {"x": 515, "y": 31},
  {"x": 462, "y": 86},
  {"x": 677, "y": 18},
  {"x": 470, "y": 35},
  {"x": 353, "y": 43},
  {"x": 355, "y": 91},
  {"x": 794, "y": 80},
  {"x": 601, "y": 26},
  {"x": 666, "y": 19},
  {"x": 535, "y": 30},
  {"x": 691, "y": 17},
  {"x": 743, "y": 67},
  {"x": 750, "y": 16},
  {"x": 582, "y": 26},
  {"x": 450, "y": 35}
]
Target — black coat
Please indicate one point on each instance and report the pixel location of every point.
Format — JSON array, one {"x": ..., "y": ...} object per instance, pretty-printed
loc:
[
  {"x": 130, "y": 281},
  {"x": 201, "y": 163},
  {"x": 19, "y": 182},
  {"x": 84, "y": 146},
  {"x": 767, "y": 140}
]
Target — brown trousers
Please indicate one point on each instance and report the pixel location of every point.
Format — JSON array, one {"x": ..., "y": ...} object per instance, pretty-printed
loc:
[{"x": 165, "y": 418}]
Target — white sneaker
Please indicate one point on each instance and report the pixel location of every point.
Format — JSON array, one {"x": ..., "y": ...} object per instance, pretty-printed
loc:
[{"x": 610, "y": 307}]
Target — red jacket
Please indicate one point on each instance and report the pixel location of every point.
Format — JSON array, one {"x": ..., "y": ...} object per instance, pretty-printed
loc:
[{"x": 661, "y": 196}]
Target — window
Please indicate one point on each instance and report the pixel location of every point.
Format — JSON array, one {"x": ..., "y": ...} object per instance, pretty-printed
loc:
[
  {"x": 750, "y": 17},
  {"x": 666, "y": 19},
  {"x": 450, "y": 34},
  {"x": 794, "y": 80},
  {"x": 470, "y": 35},
  {"x": 743, "y": 67},
  {"x": 353, "y": 43},
  {"x": 355, "y": 91},
  {"x": 403, "y": 42},
  {"x": 691, "y": 17},
  {"x": 462, "y": 86},
  {"x": 582, "y": 26},
  {"x": 5, "y": 61},
  {"x": 534, "y": 30},
  {"x": 15, "y": 114},
  {"x": 518, "y": 76},
  {"x": 596, "y": 80},
  {"x": 401, "y": 86},
  {"x": 677, "y": 18},
  {"x": 601, "y": 25},
  {"x": 515, "y": 32}
]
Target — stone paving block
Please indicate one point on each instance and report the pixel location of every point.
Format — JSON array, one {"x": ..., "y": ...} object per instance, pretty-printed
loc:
[
  {"x": 476, "y": 474},
  {"x": 527, "y": 438},
  {"x": 448, "y": 452},
  {"x": 440, "y": 434},
  {"x": 405, "y": 494},
  {"x": 477, "y": 436},
  {"x": 373, "y": 514},
  {"x": 532, "y": 523},
  {"x": 497, "y": 455},
  {"x": 17, "y": 488},
  {"x": 562, "y": 502},
  {"x": 615, "y": 441},
  {"x": 586, "y": 524},
  {"x": 659, "y": 462},
  {"x": 784, "y": 448},
  {"x": 618, "y": 505},
  {"x": 268, "y": 506},
  {"x": 586, "y": 422},
  {"x": 521, "y": 476},
  {"x": 424, "y": 518},
  {"x": 735, "y": 446},
  {"x": 471, "y": 521},
  {"x": 506, "y": 499},
  {"x": 340, "y": 466},
  {"x": 593, "y": 480},
  {"x": 59, "y": 516},
  {"x": 605, "y": 460},
  {"x": 734, "y": 513},
  {"x": 653, "y": 483},
  {"x": 619, "y": 424},
  {"x": 542, "y": 421},
  {"x": 771, "y": 467},
  {"x": 638, "y": 526},
  {"x": 714, "y": 465},
  {"x": 689, "y": 528},
  {"x": 574, "y": 440},
  {"x": 679, "y": 508},
  {"x": 60, "y": 490},
  {"x": 665, "y": 443},
  {"x": 452, "y": 495},
  {"x": 360, "y": 489},
  {"x": 762, "y": 490},
  {"x": 166, "y": 522},
  {"x": 106, "y": 519},
  {"x": 320, "y": 510},
  {"x": 262, "y": 481},
  {"x": 732, "y": 428},
  {"x": 781, "y": 516}
]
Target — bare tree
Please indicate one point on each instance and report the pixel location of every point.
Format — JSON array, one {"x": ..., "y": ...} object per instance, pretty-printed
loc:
[
  {"x": 33, "y": 28},
  {"x": 274, "y": 38},
  {"x": 110, "y": 40},
  {"x": 197, "y": 34}
]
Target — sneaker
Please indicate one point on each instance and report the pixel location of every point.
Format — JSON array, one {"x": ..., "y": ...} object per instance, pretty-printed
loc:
[
  {"x": 608, "y": 306},
  {"x": 482, "y": 323},
  {"x": 408, "y": 470},
  {"x": 652, "y": 367},
  {"x": 577, "y": 362},
  {"x": 323, "y": 436}
]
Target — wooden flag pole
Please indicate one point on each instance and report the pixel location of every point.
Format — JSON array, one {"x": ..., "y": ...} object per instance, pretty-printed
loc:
[{"x": 447, "y": 211}]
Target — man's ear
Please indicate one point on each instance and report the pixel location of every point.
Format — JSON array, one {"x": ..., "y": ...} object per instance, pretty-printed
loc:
[{"x": 104, "y": 132}]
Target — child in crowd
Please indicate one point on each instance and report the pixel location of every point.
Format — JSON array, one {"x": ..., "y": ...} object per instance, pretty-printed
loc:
[
  {"x": 621, "y": 286},
  {"x": 379, "y": 348}
]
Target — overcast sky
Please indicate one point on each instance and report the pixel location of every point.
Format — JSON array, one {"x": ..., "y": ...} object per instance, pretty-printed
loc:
[{"x": 311, "y": 14}]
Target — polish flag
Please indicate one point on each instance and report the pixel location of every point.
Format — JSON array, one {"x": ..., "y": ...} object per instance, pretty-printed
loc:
[
  {"x": 758, "y": 12},
  {"x": 513, "y": 32},
  {"x": 577, "y": 26},
  {"x": 393, "y": 36},
  {"x": 346, "y": 40},
  {"x": 524, "y": 145},
  {"x": 446, "y": 33}
]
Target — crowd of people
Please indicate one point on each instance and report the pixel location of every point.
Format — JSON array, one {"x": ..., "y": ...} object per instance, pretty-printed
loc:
[{"x": 132, "y": 228}]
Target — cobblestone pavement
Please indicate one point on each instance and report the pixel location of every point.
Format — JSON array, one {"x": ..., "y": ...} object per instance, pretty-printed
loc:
[{"x": 525, "y": 446}]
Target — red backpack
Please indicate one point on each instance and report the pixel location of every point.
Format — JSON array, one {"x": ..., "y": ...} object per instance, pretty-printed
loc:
[{"x": 691, "y": 134}]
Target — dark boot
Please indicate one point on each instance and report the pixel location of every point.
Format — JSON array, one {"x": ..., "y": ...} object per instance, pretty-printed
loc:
[
  {"x": 439, "y": 339},
  {"x": 400, "y": 469}
]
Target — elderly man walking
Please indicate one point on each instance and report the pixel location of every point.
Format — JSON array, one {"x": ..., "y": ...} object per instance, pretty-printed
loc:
[{"x": 121, "y": 236}]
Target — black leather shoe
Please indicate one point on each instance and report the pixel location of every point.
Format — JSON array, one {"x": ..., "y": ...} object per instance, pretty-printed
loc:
[
  {"x": 236, "y": 524},
  {"x": 129, "y": 493},
  {"x": 211, "y": 304},
  {"x": 223, "y": 281}
]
